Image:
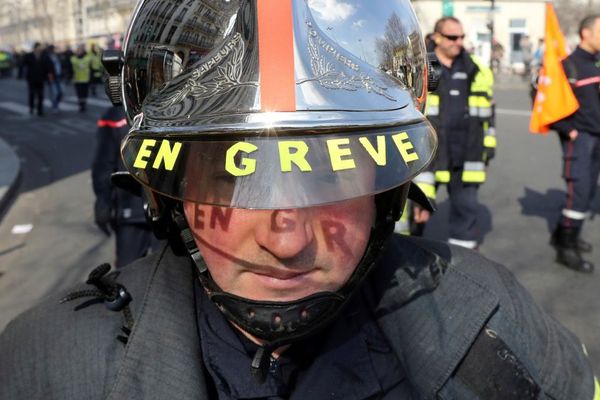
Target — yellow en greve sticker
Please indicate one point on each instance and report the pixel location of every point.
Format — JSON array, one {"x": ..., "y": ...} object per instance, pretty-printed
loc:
[{"x": 291, "y": 153}]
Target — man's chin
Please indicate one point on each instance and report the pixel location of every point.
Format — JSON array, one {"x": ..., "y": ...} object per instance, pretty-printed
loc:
[{"x": 291, "y": 288}]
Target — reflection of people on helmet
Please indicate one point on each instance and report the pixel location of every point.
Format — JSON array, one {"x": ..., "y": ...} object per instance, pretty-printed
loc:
[{"x": 277, "y": 151}]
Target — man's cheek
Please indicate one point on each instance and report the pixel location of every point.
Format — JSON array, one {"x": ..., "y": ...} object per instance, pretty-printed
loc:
[
  {"x": 335, "y": 236},
  {"x": 212, "y": 218},
  {"x": 198, "y": 218}
]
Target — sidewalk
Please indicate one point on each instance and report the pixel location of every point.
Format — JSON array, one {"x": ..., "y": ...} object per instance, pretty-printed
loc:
[{"x": 10, "y": 170}]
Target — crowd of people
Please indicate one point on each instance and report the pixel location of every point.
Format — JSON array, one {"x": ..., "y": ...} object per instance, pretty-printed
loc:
[{"x": 45, "y": 67}]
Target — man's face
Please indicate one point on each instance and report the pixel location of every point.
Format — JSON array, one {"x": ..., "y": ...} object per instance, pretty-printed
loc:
[
  {"x": 592, "y": 36},
  {"x": 450, "y": 39},
  {"x": 282, "y": 255}
]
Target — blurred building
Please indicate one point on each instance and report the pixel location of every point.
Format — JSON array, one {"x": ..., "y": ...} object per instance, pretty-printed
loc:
[
  {"x": 63, "y": 22},
  {"x": 512, "y": 20}
]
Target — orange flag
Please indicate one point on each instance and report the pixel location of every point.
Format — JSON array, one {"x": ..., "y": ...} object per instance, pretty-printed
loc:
[{"x": 555, "y": 99}]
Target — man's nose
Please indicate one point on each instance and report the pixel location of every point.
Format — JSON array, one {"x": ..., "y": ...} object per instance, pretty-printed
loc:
[{"x": 286, "y": 234}]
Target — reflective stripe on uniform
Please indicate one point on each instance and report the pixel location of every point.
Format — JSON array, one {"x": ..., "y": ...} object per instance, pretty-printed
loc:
[
  {"x": 587, "y": 81},
  {"x": 432, "y": 111},
  {"x": 442, "y": 176},
  {"x": 106, "y": 123},
  {"x": 489, "y": 141},
  {"x": 432, "y": 107},
  {"x": 485, "y": 112},
  {"x": 426, "y": 182},
  {"x": 474, "y": 166},
  {"x": 473, "y": 172},
  {"x": 479, "y": 111},
  {"x": 469, "y": 244},
  {"x": 572, "y": 214},
  {"x": 403, "y": 226},
  {"x": 473, "y": 176},
  {"x": 480, "y": 104},
  {"x": 433, "y": 99},
  {"x": 428, "y": 189},
  {"x": 425, "y": 177}
]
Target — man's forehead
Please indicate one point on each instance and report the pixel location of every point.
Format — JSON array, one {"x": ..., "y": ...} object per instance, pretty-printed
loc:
[{"x": 452, "y": 26}]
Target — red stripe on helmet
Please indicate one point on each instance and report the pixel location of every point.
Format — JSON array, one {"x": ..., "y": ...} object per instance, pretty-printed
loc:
[
  {"x": 106, "y": 123},
  {"x": 276, "y": 55}
]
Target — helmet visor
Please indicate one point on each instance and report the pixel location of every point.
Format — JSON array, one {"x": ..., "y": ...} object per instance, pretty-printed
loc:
[{"x": 279, "y": 172}]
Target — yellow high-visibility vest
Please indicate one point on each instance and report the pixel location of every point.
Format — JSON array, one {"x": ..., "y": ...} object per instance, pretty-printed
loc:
[{"x": 81, "y": 69}]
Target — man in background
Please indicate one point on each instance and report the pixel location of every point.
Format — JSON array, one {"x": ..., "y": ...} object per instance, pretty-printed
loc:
[
  {"x": 81, "y": 63},
  {"x": 461, "y": 112},
  {"x": 55, "y": 85},
  {"x": 96, "y": 68},
  {"x": 580, "y": 140},
  {"x": 115, "y": 208},
  {"x": 38, "y": 70}
]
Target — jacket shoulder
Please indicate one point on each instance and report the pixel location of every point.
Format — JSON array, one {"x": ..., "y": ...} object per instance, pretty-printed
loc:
[
  {"x": 70, "y": 350},
  {"x": 550, "y": 354}
]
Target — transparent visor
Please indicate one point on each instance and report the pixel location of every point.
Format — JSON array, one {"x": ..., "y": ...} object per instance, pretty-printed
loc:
[{"x": 279, "y": 172}]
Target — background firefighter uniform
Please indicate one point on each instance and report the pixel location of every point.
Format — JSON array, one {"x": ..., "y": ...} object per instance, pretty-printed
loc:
[
  {"x": 115, "y": 207},
  {"x": 582, "y": 155},
  {"x": 407, "y": 225},
  {"x": 461, "y": 111}
]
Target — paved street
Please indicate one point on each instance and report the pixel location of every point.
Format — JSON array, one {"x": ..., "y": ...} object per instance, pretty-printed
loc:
[{"x": 48, "y": 239}]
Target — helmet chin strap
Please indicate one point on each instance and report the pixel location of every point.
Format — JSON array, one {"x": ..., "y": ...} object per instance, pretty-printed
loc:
[{"x": 281, "y": 323}]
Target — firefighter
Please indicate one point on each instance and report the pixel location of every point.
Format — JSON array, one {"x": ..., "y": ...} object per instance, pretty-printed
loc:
[
  {"x": 277, "y": 162},
  {"x": 461, "y": 110},
  {"x": 580, "y": 139},
  {"x": 116, "y": 209}
]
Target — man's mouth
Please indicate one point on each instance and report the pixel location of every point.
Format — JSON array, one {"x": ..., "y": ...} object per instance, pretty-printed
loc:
[{"x": 283, "y": 275}]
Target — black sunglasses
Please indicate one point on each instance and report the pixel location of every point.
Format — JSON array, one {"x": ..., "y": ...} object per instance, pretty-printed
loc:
[{"x": 453, "y": 38}]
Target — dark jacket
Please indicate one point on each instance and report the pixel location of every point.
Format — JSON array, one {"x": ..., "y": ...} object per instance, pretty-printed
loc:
[
  {"x": 477, "y": 139},
  {"x": 437, "y": 305},
  {"x": 37, "y": 69},
  {"x": 583, "y": 71},
  {"x": 122, "y": 206}
]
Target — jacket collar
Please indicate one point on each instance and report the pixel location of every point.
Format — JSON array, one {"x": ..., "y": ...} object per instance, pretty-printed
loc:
[
  {"x": 584, "y": 54},
  {"x": 471, "y": 67},
  {"x": 162, "y": 358},
  {"x": 430, "y": 322},
  {"x": 430, "y": 311}
]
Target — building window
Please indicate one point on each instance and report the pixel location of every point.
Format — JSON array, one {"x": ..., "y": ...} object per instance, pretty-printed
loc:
[{"x": 518, "y": 23}]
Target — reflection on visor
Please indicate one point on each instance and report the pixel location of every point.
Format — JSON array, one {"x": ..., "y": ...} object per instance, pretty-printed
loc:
[{"x": 280, "y": 172}]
